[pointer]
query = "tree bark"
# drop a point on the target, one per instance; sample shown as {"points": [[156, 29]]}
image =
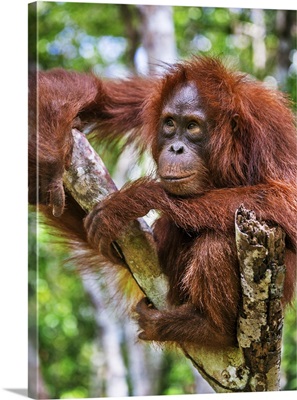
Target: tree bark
{"points": [[261, 256], [254, 365], [89, 182]]}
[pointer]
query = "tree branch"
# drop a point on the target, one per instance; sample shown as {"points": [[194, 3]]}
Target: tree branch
{"points": [[261, 256], [255, 364], [89, 182]]}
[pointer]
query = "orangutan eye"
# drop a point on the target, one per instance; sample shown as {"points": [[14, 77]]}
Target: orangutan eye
{"points": [[169, 126], [193, 126], [169, 122]]}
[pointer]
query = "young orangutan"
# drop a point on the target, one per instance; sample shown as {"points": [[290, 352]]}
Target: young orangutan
{"points": [[219, 140]]}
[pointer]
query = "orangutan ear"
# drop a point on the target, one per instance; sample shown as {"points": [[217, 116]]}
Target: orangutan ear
{"points": [[235, 123]]}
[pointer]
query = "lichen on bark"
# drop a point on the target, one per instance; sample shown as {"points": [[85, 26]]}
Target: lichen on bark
{"points": [[262, 270]]}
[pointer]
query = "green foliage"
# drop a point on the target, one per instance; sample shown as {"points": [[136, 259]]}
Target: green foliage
{"points": [[226, 32], [105, 37], [63, 316], [81, 36], [289, 359], [177, 376]]}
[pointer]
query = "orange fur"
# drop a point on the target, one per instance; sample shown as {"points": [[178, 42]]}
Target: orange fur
{"points": [[250, 156]]}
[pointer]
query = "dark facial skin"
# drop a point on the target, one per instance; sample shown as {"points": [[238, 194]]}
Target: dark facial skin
{"points": [[181, 143]]}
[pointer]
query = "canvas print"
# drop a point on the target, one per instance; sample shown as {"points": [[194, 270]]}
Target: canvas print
{"points": [[162, 200]]}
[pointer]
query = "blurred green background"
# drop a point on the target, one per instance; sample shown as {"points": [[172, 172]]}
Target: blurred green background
{"points": [[85, 349]]}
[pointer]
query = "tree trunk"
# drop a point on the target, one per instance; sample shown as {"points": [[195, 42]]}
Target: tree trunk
{"points": [[113, 368], [258, 39], [158, 35], [285, 25]]}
